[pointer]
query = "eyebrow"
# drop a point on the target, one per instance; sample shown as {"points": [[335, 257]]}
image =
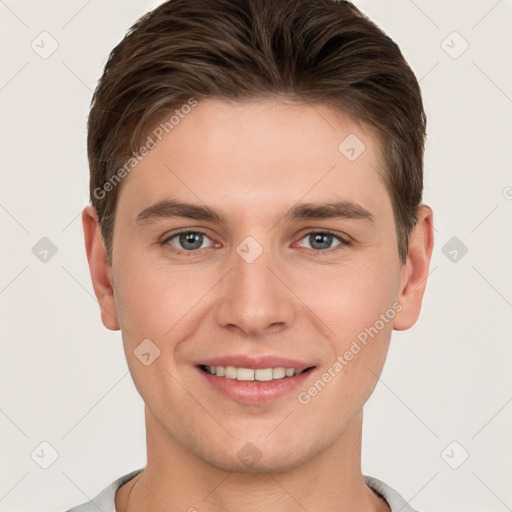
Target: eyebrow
{"points": [[337, 209], [170, 208]]}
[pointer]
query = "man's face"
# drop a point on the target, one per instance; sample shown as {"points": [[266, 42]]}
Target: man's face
{"points": [[265, 286]]}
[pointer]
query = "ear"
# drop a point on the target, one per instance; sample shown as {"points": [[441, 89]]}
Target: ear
{"points": [[101, 272], [415, 270]]}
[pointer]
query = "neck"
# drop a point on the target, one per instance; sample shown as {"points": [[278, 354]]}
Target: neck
{"points": [[176, 479]]}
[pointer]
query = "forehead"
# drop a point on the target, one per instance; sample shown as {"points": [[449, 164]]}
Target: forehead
{"points": [[257, 154]]}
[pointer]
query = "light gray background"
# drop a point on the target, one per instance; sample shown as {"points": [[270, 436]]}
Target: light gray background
{"points": [[64, 379]]}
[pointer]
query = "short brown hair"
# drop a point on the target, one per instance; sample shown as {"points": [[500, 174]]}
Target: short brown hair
{"points": [[311, 51]]}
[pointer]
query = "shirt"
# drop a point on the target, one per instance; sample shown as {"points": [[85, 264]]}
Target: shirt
{"points": [[105, 500]]}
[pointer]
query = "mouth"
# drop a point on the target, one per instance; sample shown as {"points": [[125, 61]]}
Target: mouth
{"points": [[253, 374], [255, 386]]}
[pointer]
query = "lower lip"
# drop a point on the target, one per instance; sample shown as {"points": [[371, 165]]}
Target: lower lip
{"points": [[256, 392]]}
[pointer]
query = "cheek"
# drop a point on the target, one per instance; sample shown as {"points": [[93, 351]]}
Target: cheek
{"points": [[353, 297], [151, 299], [359, 307]]}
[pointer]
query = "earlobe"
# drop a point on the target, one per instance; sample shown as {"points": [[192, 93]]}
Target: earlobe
{"points": [[415, 270], [99, 267]]}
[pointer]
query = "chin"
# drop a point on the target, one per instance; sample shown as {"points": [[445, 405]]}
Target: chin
{"points": [[265, 465], [259, 457]]}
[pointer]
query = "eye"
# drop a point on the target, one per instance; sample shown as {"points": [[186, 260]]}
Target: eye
{"points": [[322, 241], [188, 241], [193, 241]]}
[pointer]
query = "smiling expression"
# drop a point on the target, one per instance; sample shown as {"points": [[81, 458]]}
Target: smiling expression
{"points": [[246, 239]]}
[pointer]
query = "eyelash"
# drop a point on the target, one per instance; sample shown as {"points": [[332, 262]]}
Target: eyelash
{"points": [[343, 242]]}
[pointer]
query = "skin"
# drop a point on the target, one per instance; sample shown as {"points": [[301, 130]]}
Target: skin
{"points": [[253, 161]]}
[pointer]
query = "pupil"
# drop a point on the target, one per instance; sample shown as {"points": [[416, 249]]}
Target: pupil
{"points": [[321, 240], [190, 241]]}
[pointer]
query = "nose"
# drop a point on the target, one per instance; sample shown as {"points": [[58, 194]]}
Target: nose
{"points": [[254, 297]]}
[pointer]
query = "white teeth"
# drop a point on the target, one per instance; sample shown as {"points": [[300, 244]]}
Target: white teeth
{"points": [[249, 374], [278, 373], [230, 372], [244, 374], [263, 374]]}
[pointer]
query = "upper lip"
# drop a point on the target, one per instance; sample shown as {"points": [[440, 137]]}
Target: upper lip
{"points": [[255, 362]]}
